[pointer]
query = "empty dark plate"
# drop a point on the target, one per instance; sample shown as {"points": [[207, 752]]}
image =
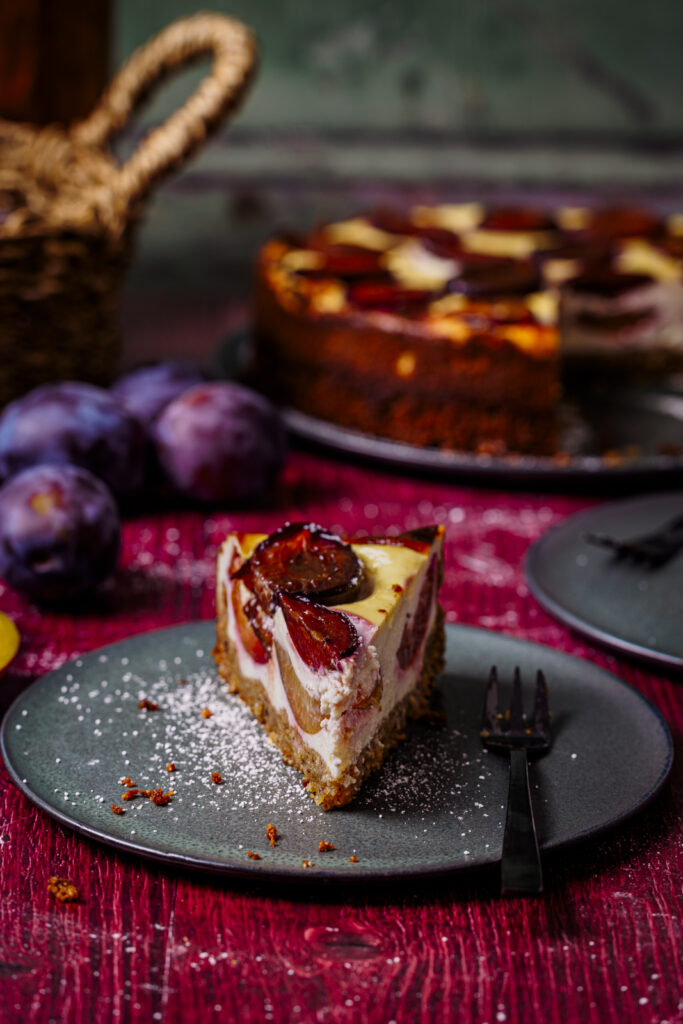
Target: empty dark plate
{"points": [[628, 605], [436, 806]]}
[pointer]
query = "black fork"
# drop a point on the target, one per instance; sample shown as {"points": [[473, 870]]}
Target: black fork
{"points": [[515, 733], [656, 547]]}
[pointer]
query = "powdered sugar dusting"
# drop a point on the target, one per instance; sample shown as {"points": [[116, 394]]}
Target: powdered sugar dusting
{"points": [[131, 710]]}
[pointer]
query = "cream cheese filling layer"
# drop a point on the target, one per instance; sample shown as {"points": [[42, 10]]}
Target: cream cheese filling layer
{"points": [[371, 677], [661, 303]]}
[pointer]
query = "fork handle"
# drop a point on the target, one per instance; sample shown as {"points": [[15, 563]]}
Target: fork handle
{"points": [[521, 861]]}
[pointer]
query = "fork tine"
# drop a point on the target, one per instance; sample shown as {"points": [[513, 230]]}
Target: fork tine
{"points": [[489, 722], [541, 721], [516, 719]]}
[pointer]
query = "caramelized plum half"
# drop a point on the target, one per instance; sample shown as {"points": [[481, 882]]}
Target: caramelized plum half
{"points": [[440, 240], [416, 627], [620, 222], [346, 261], [514, 218], [301, 558], [390, 298], [509, 277], [304, 707], [608, 283], [322, 636], [244, 618]]}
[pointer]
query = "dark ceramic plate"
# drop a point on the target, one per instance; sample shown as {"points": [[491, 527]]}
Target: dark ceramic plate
{"points": [[609, 435], [435, 807], [619, 602], [622, 439]]}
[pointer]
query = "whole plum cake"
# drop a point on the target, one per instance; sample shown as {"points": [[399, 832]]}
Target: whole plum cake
{"points": [[452, 326], [333, 644]]}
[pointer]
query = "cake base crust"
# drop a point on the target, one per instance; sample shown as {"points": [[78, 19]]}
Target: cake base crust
{"points": [[327, 791]]}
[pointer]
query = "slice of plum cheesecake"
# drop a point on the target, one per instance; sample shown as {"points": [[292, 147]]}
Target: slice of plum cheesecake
{"points": [[332, 644]]}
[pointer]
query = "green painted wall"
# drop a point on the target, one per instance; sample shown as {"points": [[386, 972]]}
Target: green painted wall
{"points": [[360, 102], [454, 65]]}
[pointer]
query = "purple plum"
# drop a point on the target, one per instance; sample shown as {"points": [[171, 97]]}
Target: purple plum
{"points": [[74, 423], [146, 390], [220, 442], [59, 532]]}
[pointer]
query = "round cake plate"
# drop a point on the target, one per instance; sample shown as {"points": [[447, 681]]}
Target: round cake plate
{"points": [[435, 807], [659, 415], [630, 607], [617, 435]]}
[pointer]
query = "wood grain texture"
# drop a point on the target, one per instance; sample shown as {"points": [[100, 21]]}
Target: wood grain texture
{"points": [[151, 943]]}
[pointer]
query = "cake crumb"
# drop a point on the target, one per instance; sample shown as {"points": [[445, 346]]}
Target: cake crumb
{"points": [[253, 856], [353, 859], [170, 767], [206, 713], [216, 777], [304, 782], [306, 864], [158, 797], [271, 834], [182, 682], [397, 588], [126, 781], [117, 810], [62, 889], [324, 847], [148, 705]]}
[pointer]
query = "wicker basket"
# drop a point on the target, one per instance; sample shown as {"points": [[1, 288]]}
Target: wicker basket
{"points": [[68, 211]]}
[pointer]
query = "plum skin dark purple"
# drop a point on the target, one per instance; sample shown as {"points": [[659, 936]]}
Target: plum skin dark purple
{"points": [[220, 442], [59, 532], [145, 390], [72, 422]]}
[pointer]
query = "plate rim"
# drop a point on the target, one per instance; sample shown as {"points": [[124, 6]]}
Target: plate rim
{"points": [[588, 467], [262, 872], [534, 553]]}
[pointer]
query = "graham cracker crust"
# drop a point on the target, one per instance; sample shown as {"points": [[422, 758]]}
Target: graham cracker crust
{"points": [[326, 791]]}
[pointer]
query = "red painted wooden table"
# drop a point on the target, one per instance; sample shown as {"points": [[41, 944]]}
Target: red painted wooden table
{"points": [[150, 943]]}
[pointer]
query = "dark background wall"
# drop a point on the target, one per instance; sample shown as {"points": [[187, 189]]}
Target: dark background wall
{"points": [[360, 102], [544, 73]]}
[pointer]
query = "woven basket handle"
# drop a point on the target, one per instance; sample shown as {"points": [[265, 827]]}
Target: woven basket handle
{"points": [[234, 59]]}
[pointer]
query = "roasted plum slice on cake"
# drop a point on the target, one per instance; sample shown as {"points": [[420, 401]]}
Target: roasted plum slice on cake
{"points": [[517, 218], [322, 636], [333, 644], [390, 298], [492, 277], [253, 629], [344, 261], [302, 558], [416, 625]]}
